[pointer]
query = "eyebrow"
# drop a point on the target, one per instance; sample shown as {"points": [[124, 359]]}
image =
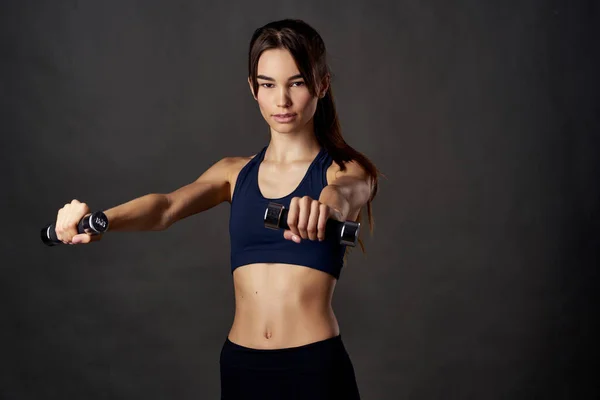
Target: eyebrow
{"points": [[268, 78]]}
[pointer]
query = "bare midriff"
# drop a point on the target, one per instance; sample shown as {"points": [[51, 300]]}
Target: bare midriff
{"points": [[282, 305]]}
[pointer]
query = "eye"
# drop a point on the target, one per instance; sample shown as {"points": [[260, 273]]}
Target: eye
{"points": [[298, 83], [268, 87]]}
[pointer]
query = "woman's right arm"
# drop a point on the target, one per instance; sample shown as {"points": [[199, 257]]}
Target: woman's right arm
{"points": [[154, 211]]}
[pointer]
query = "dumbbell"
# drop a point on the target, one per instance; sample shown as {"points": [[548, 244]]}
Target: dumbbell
{"points": [[276, 216], [94, 224]]}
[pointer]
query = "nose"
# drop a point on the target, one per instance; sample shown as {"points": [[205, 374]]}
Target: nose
{"points": [[284, 100]]}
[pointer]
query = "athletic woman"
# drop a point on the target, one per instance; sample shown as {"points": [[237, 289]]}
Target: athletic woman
{"points": [[285, 342]]}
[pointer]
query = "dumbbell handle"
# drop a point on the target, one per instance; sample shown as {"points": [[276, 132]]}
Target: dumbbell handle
{"points": [[276, 216], [94, 224]]}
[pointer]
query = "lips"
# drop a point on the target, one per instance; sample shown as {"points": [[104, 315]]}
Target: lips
{"points": [[286, 118]]}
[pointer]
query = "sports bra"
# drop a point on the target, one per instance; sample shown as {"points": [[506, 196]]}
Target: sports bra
{"points": [[252, 243]]}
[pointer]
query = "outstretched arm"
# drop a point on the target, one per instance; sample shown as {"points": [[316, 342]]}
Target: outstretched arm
{"points": [[157, 211], [349, 192], [341, 200]]}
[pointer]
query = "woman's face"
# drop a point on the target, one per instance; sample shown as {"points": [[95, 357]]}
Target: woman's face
{"points": [[283, 97]]}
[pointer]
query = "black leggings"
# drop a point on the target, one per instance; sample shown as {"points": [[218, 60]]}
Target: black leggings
{"points": [[317, 371]]}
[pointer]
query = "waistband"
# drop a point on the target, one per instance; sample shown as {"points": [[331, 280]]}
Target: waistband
{"points": [[312, 357], [309, 346]]}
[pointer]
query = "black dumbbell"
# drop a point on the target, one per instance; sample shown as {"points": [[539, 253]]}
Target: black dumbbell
{"points": [[276, 217], [94, 224]]}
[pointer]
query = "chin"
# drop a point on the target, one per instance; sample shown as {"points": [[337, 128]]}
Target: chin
{"points": [[284, 128]]}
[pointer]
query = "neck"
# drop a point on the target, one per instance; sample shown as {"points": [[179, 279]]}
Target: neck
{"points": [[293, 146]]}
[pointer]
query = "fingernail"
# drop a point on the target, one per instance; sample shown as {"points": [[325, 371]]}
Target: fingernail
{"points": [[295, 238]]}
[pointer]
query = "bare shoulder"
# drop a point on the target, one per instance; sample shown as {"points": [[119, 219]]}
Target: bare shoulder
{"points": [[353, 168], [225, 169], [235, 165]]}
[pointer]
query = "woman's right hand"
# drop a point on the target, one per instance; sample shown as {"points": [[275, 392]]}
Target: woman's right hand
{"points": [[66, 224]]}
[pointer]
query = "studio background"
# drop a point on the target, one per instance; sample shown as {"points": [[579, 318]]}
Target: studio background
{"points": [[479, 279]]}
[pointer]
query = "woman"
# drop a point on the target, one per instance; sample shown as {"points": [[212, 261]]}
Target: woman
{"points": [[285, 341]]}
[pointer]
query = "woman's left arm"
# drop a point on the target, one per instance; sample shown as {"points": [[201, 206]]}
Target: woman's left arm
{"points": [[348, 193], [341, 200]]}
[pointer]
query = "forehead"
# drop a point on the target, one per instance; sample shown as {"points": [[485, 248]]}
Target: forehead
{"points": [[277, 63]]}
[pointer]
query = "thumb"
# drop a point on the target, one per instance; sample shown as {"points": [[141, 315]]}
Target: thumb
{"points": [[289, 235], [81, 238], [84, 238]]}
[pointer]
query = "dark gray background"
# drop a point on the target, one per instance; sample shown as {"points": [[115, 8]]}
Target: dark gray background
{"points": [[479, 280]]}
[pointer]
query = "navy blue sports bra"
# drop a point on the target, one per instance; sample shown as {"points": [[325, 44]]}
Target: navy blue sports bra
{"points": [[252, 243]]}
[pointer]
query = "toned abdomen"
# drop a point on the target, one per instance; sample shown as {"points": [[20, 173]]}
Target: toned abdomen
{"points": [[281, 305]]}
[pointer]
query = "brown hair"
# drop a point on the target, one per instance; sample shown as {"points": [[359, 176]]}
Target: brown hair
{"points": [[308, 50]]}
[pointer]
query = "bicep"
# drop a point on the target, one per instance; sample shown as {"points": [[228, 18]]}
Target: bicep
{"points": [[355, 185], [209, 190]]}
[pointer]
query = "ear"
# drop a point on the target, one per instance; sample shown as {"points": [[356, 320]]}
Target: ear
{"points": [[251, 88], [324, 87]]}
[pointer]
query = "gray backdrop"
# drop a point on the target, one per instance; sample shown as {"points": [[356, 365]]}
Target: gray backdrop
{"points": [[478, 282]]}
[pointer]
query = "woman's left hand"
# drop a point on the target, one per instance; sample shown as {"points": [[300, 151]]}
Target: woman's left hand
{"points": [[307, 219]]}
